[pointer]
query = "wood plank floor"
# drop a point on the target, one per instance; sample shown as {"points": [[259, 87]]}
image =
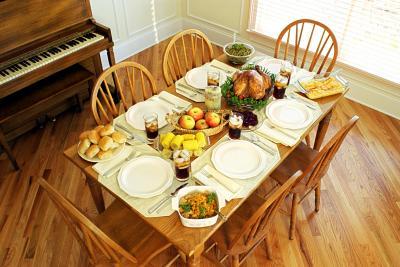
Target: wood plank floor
{"points": [[358, 224]]}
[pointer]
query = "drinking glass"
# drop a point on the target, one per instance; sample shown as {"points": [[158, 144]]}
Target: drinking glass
{"points": [[151, 126], [182, 165], [235, 125], [282, 80], [213, 78]]}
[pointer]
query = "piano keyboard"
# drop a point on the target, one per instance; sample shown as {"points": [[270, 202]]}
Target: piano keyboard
{"points": [[42, 58]]}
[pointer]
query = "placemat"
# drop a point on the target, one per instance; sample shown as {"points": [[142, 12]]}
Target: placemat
{"points": [[142, 205], [248, 185]]}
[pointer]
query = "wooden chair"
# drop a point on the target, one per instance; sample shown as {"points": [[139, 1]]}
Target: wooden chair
{"points": [[136, 244], [314, 165], [186, 50], [4, 145], [249, 225], [125, 76], [326, 50]]}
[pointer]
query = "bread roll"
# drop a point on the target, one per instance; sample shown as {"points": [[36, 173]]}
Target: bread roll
{"points": [[105, 143], [118, 137], [105, 154], [84, 145], [98, 128], [92, 151], [94, 137], [107, 130], [84, 135]]}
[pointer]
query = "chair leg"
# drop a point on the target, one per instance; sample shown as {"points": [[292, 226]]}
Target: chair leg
{"points": [[235, 261], [268, 248], [308, 140], [293, 215], [317, 191]]}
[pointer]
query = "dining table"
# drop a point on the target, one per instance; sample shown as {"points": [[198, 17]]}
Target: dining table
{"points": [[191, 241]]}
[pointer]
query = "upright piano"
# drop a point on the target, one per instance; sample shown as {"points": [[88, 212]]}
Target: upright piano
{"points": [[49, 58]]}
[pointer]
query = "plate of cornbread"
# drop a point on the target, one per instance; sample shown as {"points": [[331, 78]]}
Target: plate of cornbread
{"points": [[101, 143]]}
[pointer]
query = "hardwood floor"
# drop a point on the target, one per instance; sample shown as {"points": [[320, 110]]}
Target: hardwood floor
{"points": [[358, 224]]}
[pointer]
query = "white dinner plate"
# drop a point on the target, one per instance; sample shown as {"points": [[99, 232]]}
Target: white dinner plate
{"points": [[145, 176], [197, 77], [134, 115], [238, 159], [116, 152], [289, 114]]}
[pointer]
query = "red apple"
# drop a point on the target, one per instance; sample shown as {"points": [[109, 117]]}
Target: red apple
{"points": [[196, 113], [201, 124], [212, 119], [186, 122]]}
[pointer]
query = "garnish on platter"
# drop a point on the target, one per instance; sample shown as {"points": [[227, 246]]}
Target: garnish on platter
{"points": [[196, 120], [249, 88]]}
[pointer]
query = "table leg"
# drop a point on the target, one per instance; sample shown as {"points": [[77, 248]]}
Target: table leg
{"points": [[322, 129], [195, 259], [97, 195]]}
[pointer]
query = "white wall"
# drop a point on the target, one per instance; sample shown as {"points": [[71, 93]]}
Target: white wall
{"points": [[138, 24]]}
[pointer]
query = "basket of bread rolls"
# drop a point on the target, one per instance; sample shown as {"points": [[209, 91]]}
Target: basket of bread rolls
{"points": [[101, 143]]}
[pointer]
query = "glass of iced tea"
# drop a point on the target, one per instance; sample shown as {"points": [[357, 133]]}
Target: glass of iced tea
{"points": [[235, 125], [279, 88], [151, 126], [182, 165], [213, 78]]}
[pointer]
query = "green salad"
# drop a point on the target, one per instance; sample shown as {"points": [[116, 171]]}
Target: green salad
{"points": [[238, 50]]}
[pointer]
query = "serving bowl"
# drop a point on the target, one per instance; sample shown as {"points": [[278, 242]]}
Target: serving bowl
{"points": [[196, 223], [238, 59]]}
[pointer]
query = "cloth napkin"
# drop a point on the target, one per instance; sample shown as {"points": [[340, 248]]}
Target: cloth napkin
{"points": [[164, 96], [102, 167], [284, 136], [222, 66], [192, 95], [224, 185]]}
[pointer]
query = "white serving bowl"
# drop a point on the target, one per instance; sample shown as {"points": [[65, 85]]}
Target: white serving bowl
{"points": [[195, 223], [238, 59]]}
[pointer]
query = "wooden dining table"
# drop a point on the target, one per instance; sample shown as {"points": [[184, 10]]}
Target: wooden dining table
{"points": [[191, 241]]}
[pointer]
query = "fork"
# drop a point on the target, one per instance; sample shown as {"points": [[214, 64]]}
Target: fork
{"points": [[188, 93], [176, 106], [269, 125], [258, 142], [114, 169]]}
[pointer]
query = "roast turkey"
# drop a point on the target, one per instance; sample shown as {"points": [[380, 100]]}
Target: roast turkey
{"points": [[251, 83]]}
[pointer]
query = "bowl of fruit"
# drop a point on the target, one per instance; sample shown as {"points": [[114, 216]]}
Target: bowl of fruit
{"points": [[197, 120]]}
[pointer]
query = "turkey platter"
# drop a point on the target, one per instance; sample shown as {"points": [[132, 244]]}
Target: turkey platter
{"points": [[251, 83]]}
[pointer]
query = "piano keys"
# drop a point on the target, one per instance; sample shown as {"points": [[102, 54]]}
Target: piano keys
{"points": [[27, 64]]}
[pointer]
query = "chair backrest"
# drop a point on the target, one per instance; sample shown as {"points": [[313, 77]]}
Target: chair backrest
{"points": [[257, 226], [97, 244], [316, 36], [125, 77], [186, 50], [319, 166]]}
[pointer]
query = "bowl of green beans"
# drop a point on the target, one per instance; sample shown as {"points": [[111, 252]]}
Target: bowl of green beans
{"points": [[238, 53]]}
